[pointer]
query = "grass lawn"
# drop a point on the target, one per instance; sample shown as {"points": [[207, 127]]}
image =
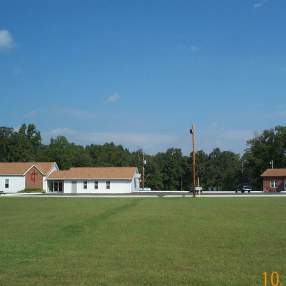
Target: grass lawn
{"points": [[141, 241]]}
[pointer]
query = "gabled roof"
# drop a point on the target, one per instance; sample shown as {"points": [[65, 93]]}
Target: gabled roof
{"points": [[91, 173], [274, 173], [20, 168]]}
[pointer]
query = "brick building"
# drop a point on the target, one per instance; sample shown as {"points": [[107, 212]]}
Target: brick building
{"points": [[274, 180]]}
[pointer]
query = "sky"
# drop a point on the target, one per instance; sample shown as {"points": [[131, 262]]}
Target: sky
{"points": [[139, 73]]}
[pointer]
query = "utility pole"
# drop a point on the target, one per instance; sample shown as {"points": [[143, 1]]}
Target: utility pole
{"points": [[143, 171], [242, 166], [192, 131]]}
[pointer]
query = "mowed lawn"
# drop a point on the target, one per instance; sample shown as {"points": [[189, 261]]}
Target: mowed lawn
{"points": [[141, 241]]}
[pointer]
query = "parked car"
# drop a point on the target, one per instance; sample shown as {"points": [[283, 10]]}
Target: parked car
{"points": [[243, 188]]}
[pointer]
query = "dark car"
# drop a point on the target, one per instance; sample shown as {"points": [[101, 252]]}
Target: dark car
{"points": [[243, 188]]}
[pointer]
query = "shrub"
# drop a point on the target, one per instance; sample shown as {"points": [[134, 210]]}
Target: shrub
{"points": [[32, 191]]}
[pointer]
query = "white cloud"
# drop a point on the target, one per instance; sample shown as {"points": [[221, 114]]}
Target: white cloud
{"points": [[128, 139], [6, 39], [112, 98], [79, 114], [260, 4], [257, 5]]}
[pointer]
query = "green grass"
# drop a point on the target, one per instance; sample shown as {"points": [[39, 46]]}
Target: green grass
{"points": [[141, 241]]}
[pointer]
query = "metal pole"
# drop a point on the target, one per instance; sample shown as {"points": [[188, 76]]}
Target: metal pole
{"points": [[143, 173], [194, 160]]}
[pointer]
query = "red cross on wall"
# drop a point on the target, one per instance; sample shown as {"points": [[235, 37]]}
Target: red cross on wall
{"points": [[33, 177]]}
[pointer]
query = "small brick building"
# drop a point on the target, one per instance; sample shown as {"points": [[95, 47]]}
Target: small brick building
{"points": [[274, 180]]}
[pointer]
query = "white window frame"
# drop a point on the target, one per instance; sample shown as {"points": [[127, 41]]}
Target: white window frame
{"points": [[7, 183], [273, 184], [107, 185], [85, 185], [96, 185], [56, 186]]}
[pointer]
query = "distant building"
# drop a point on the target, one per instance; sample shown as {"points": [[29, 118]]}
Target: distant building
{"points": [[17, 176], [274, 180], [90, 180]]}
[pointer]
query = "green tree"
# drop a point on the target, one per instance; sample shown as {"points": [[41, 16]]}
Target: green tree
{"points": [[153, 174], [261, 150], [222, 170], [171, 164], [201, 165], [108, 154], [25, 144], [6, 154], [66, 154]]}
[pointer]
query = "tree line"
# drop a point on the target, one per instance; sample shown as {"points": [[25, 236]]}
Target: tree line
{"points": [[169, 170]]}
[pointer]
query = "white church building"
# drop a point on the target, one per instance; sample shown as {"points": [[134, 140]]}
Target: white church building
{"points": [[46, 176], [89, 180], [18, 176]]}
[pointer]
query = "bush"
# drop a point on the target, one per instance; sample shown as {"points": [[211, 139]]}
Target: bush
{"points": [[32, 191]]}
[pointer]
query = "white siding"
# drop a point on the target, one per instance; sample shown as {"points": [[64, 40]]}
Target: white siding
{"points": [[116, 186], [45, 183], [135, 186], [16, 184], [67, 187]]}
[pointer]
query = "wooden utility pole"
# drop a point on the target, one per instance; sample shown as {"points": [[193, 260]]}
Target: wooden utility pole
{"points": [[192, 131]]}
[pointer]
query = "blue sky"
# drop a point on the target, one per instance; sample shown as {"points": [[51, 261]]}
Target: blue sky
{"points": [[140, 72]]}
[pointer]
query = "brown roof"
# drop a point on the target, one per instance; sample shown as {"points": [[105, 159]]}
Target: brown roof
{"points": [[20, 168], [91, 173], [274, 173]]}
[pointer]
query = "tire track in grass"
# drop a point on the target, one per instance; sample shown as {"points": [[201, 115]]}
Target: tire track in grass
{"points": [[63, 233], [76, 229], [64, 238]]}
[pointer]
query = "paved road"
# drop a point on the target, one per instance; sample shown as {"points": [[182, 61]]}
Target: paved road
{"points": [[154, 194]]}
